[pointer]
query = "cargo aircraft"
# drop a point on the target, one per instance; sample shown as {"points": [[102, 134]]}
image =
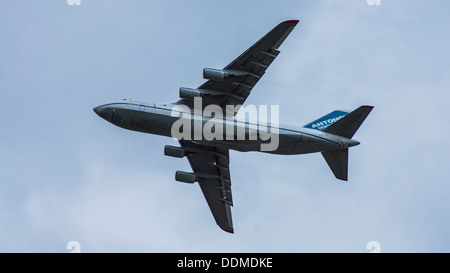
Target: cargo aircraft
{"points": [[330, 135]]}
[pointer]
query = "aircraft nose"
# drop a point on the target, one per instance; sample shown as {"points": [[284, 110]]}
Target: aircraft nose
{"points": [[101, 111]]}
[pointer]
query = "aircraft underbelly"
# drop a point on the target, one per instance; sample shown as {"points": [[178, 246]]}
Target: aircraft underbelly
{"points": [[147, 122], [285, 142]]}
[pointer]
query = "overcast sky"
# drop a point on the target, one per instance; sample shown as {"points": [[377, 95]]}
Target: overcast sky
{"points": [[67, 175]]}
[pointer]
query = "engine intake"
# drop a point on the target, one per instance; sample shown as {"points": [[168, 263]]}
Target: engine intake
{"points": [[185, 177]]}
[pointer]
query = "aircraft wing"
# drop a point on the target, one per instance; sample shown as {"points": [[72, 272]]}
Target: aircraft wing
{"points": [[211, 166], [245, 71]]}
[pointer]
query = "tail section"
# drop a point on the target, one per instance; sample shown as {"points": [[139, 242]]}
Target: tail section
{"points": [[343, 124], [348, 125], [338, 162], [327, 120]]}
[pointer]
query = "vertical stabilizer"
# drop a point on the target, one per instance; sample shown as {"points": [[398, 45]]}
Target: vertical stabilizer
{"points": [[338, 162], [345, 126], [325, 121]]}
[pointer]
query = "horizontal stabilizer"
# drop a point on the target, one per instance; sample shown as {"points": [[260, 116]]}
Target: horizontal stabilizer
{"points": [[338, 162], [348, 125]]}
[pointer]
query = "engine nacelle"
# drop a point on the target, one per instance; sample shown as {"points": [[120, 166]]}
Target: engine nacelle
{"points": [[214, 74], [174, 151], [185, 177], [189, 93]]}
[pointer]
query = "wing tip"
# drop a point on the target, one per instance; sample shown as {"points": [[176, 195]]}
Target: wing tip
{"points": [[368, 106], [228, 229], [294, 22]]}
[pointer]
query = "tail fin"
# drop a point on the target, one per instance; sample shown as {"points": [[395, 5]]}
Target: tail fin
{"points": [[327, 120], [346, 127]]}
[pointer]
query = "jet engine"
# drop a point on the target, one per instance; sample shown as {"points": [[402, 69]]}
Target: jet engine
{"points": [[174, 151], [189, 93], [214, 74], [185, 177]]}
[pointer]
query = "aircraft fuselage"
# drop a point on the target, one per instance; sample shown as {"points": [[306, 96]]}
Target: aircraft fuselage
{"points": [[159, 120]]}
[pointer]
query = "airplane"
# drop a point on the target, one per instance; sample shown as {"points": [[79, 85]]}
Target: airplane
{"points": [[331, 135]]}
